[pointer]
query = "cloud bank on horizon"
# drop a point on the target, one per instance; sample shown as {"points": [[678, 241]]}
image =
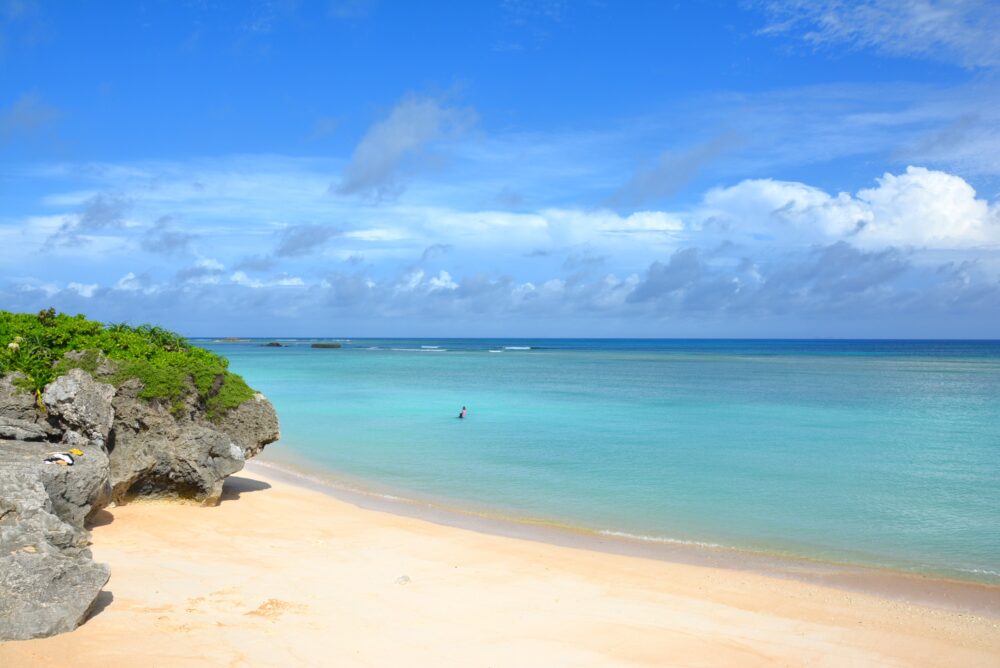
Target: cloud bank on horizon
{"points": [[552, 169]]}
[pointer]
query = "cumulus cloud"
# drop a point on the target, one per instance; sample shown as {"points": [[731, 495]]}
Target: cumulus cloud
{"points": [[443, 281], [833, 279], [836, 282], [911, 243], [919, 208], [85, 290], [240, 278], [928, 208], [412, 125], [965, 32], [131, 282]]}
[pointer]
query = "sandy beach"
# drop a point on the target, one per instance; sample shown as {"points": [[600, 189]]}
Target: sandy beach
{"points": [[283, 575]]}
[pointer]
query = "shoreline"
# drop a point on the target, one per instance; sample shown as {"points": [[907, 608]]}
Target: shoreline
{"points": [[959, 595], [284, 575]]}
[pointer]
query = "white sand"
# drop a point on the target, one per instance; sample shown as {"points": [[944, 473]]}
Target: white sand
{"points": [[286, 576]]}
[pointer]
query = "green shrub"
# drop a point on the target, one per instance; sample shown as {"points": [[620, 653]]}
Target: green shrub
{"points": [[165, 363]]}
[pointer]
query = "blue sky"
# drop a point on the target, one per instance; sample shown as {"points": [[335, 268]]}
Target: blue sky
{"points": [[353, 168]]}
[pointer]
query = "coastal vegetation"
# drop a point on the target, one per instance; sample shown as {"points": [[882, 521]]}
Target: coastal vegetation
{"points": [[170, 369]]}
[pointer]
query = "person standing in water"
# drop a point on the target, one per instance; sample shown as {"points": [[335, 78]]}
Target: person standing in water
{"points": [[461, 415]]}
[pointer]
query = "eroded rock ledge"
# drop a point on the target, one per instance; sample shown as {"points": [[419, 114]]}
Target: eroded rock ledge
{"points": [[131, 448]]}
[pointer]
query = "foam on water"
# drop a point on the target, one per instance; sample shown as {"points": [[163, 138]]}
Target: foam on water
{"points": [[658, 539]]}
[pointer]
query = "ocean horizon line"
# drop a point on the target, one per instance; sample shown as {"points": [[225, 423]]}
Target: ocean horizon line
{"points": [[583, 338]]}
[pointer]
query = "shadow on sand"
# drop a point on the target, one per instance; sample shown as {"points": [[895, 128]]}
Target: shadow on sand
{"points": [[101, 603], [101, 518], [236, 486]]}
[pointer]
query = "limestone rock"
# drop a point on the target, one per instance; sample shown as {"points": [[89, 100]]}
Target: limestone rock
{"points": [[75, 492], [24, 430], [32, 606], [48, 579], [17, 403], [252, 425], [82, 406], [159, 453]]}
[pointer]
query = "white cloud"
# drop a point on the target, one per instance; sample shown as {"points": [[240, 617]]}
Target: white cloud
{"points": [[930, 209], [505, 229], [520, 258], [920, 208], [442, 281], [48, 288], [644, 221], [83, 289], [377, 234], [241, 278], [410, 281], [128, 282], [210, 263]]}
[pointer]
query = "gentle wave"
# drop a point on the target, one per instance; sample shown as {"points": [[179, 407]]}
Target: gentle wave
{"points": [[657, 539], [980, 571], [517, 347], [420, 350]]}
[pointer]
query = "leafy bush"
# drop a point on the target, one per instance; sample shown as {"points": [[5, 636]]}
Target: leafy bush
{"points": [[165, 363]]}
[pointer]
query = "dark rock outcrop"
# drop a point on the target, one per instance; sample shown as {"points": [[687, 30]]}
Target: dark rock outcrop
{"points": [[164, 452], [252, 425], [49, 581], [131, 447]]}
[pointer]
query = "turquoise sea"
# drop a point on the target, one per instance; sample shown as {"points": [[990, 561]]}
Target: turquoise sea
{"points": [[878, 453]]}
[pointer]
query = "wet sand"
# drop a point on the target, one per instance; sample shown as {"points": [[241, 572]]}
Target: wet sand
{"points": [[939, 592], [283, 575]]}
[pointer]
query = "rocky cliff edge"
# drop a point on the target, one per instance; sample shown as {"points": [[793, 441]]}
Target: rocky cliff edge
{"points": [[130, 447]]}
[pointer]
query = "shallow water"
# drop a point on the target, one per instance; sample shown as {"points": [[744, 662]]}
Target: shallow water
{"points": [[875, 453]]}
